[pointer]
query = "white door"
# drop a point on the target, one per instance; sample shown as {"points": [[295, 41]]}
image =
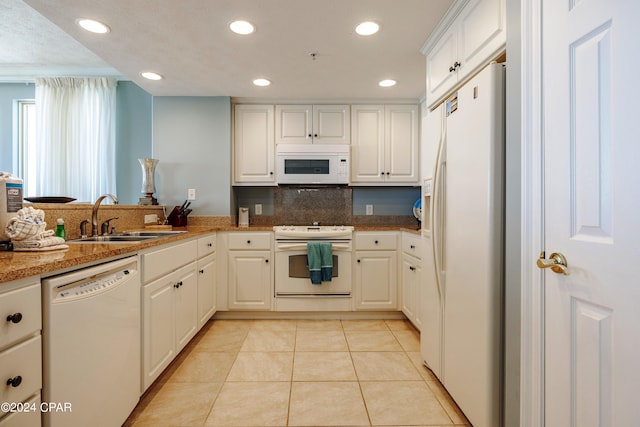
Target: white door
{"points": [[591, 201]]}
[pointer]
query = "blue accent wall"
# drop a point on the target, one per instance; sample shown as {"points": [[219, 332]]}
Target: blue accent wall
{"points": [[134, 116], [192, 141]]}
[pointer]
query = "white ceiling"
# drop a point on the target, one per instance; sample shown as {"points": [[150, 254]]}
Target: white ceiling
{"points": [[189, 43]]}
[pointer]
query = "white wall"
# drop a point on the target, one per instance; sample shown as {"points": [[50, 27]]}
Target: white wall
{"points": [[192, 140]]}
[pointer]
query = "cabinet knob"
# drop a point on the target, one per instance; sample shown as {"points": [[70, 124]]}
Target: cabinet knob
{"points": [[248, 242], [177, 285], [412, 246], [202, 271], [270, 173], [209, 244], [15, 381], [14, 318], [309, 136], [376, 242], [358, 261], [412, 268], [315, 135], [266, 260], [381, 173], [454, 67], [387, 173]]}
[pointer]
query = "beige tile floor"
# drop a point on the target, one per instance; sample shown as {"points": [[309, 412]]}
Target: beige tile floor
{"points": [[299, 373]]}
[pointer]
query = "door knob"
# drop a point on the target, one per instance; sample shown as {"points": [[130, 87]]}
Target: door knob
{"points": [[556, 262]]}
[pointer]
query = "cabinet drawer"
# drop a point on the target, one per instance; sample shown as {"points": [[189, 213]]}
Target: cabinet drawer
{"points": [[387, 240], [249, 241], [24, 305], [23, 360], [24, 419], [412, 245], [162, 261], [206, 245]]}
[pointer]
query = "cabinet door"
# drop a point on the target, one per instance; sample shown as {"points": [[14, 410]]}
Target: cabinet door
{"points": [[294, 124], [206, 289], [482, 34], [254, 146], [158, 327], [439, 61], [186, 305], [250, 280], [331, 124], [376, 280], [411, 272], [401, 148], [367, 143]]}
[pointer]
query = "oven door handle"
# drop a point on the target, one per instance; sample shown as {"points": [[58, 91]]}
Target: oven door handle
{"points": [[303, 246]]}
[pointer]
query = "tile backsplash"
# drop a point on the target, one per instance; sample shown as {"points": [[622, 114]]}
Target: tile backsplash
{"points": [[331, 205], [325, 205]]}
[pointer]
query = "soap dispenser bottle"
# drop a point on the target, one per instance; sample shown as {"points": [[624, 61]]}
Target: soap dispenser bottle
{"points": [[60, 232]]}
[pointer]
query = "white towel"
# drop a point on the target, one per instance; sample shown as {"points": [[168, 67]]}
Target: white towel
{"points": [[48, 248], [27, 224], [38, 243]]}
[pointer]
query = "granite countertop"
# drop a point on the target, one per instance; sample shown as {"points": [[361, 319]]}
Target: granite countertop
{"points": [[18, 265]]}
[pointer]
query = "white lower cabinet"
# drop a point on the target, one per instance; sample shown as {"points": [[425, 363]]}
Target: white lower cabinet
{"points": [[21, 352], [249, 270], [250, 280], [376, 276], [206, 289], [207, 278], [169, 305], [170, 319], [411, 278], [30, 418]]}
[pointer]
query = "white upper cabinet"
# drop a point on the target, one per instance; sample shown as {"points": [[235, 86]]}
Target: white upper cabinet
{"points": [[254, 146], [312, 124], [384, 144], [476, 34]]}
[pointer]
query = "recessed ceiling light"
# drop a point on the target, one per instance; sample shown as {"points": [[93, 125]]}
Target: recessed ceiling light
{"points": [[242, 27], [367, 28], [151, 75], [387, 83], [261, 82], [94, 26]]}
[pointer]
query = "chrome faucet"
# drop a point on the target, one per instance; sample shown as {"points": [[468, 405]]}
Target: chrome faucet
{"points": [[94, 213]]}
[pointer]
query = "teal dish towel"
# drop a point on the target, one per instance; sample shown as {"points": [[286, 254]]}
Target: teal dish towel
{"points": [[320, 259]]}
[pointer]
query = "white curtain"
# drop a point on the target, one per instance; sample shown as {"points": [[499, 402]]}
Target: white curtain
{"points": [[75, 137]]}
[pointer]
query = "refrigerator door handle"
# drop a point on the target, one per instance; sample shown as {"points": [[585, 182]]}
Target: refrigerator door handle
{"points": [[438, 209]]}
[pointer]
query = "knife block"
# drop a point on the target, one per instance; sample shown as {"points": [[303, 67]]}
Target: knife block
{"points": [[176, 219]]}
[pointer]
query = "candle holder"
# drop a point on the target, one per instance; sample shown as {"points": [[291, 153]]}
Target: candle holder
{"points": [[148, 181]]}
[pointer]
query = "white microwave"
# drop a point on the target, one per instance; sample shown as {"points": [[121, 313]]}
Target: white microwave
{"points": [[312, 164]]}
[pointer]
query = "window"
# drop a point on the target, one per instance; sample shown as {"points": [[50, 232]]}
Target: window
{"points": [[65, 138], [26, 145]]}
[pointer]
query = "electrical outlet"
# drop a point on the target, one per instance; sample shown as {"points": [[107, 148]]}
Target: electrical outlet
{"points": [[151, 219], [191, 194], [258, 209], [369, 209]]}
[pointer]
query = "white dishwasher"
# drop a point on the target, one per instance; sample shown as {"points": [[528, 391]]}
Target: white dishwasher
{"points": [[91, 345]]}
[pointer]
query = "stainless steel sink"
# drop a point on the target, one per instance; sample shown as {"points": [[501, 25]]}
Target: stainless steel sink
{"points": [[128, 236], [112, 239], [152, 233]]}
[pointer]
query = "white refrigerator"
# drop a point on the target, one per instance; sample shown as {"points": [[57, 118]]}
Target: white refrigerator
{"points": [[462, 302]]}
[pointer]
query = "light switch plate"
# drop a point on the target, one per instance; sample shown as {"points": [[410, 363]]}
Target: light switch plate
{"points": [[369, 210], [258, 209], [191, 194]]}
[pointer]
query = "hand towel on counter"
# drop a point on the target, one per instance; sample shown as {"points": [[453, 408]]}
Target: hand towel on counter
{"points": [[320, 259], [44, 241]]}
